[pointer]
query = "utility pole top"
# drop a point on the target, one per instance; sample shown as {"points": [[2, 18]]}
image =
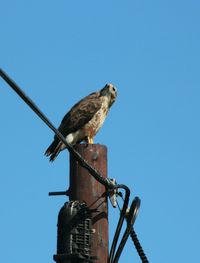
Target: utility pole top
{"points": [[84, 187]]}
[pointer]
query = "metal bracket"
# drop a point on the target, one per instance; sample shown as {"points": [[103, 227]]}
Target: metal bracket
{"points": [[59, 193], [113, 193]]}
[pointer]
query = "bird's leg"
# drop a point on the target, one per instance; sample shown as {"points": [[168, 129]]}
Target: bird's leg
{"points": [[90, 140]]}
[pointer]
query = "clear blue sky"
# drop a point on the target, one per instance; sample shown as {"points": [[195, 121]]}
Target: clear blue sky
{"points": [[60, 51]]}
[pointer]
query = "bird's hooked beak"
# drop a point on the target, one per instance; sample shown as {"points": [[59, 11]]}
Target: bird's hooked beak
{"points": [[113, 97]]}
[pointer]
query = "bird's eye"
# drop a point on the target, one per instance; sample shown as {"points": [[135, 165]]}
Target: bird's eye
{"points": [[113, 88]]}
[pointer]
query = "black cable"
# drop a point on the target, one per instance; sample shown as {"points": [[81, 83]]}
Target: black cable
{"points": [[130, 218], [138, 246], [121, 220], [136, 242]]}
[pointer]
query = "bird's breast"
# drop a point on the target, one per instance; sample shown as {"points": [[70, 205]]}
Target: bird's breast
{"points": [[93, 126]]}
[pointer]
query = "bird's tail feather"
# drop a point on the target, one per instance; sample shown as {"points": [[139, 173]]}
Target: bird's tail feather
{"points": [[53, 150], [54, 154]]}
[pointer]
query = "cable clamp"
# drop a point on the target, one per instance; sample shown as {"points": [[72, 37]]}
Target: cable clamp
{"points": [[113, 193]]}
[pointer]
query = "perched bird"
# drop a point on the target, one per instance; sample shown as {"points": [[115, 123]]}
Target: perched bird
{"points": [[84, 120]]}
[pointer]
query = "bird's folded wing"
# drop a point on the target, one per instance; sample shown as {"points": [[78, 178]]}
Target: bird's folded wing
{"points": [[80, 114]]}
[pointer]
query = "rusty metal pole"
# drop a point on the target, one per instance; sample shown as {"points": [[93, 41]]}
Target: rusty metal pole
{"points": [[84, 187]]}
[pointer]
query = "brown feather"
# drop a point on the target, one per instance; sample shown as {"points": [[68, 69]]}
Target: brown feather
{"points": [[80, 114]]}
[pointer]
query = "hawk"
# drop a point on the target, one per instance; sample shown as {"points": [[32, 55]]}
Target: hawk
{"points": [[84, 120]]}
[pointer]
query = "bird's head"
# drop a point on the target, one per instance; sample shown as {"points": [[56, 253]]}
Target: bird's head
{"points": [[109, 91]]}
